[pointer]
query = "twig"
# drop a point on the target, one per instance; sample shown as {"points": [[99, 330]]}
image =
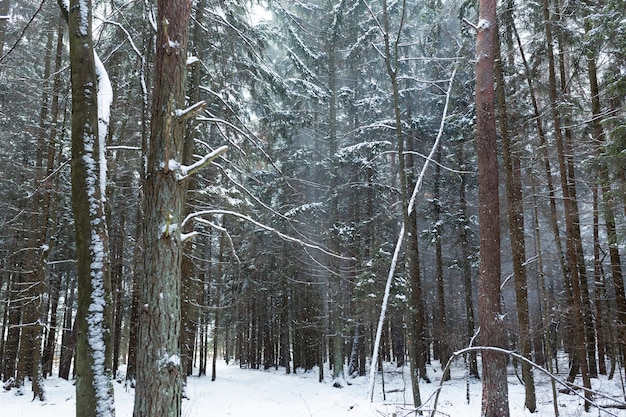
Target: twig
{"points": [[23, 30]]}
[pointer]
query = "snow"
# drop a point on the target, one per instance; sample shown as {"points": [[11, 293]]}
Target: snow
{"points": [[483, 24], [83, 10], [246, 393], [105, 100]]}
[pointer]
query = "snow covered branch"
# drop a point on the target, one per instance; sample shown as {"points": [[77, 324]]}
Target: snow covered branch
{"points": [[191, 111], [187, 170]]}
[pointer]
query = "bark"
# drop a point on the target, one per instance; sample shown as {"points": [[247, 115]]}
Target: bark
{"points": [[543, 146], [159, 373], [495, 401], [336, 289], [545, 305], [48, 354], [218, 303], [588, 320], [148, 41], [598, 277], [12, 341], [68, 337], [417, 354], [190, 288]]}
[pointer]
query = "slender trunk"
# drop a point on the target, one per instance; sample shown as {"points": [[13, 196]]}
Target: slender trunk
{"points": [[572, 257], [549, 346], [599, 139], [466, 267], [218, 296], [68, 337], [513, 181], [441, 335], [598, 277], [189, 285], [588, 320]]}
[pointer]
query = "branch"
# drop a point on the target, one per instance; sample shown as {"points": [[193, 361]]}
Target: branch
{"points": [[187, 170], [264, 227], [517, 356], [396, 253], [23, 30], [190, 112]]}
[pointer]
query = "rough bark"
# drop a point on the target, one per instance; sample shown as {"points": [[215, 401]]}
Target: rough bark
{"points": [[159, 374], [495, 401]]}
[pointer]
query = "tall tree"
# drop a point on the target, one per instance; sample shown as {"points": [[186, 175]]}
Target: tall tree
{"points": [[495, 400]]}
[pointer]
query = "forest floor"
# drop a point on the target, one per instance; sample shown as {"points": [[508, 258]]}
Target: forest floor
{"points": [[245, 393]]}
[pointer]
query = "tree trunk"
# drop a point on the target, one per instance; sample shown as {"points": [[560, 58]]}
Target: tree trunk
{"points": [[159, 374], [466, 266], [441, 335], [68, 338], [94, 392], [577, 308], [513, 182], [608, 211], [495, 401]]}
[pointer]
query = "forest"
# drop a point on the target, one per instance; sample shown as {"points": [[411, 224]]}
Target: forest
{"points": [[304, 185]]}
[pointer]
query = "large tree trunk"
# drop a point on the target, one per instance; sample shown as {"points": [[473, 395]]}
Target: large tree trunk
{"points": [[159, 374], [495, 400]]}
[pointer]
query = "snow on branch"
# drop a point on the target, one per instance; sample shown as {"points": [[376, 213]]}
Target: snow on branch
{"points": [[190, 112], [187, 170]]}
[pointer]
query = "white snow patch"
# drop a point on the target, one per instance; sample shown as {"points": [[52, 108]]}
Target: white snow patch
{"points": [[83, 13], [483, 24]]}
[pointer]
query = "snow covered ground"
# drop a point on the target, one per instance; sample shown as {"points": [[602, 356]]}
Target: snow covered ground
{"points": [[245, 393]]}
